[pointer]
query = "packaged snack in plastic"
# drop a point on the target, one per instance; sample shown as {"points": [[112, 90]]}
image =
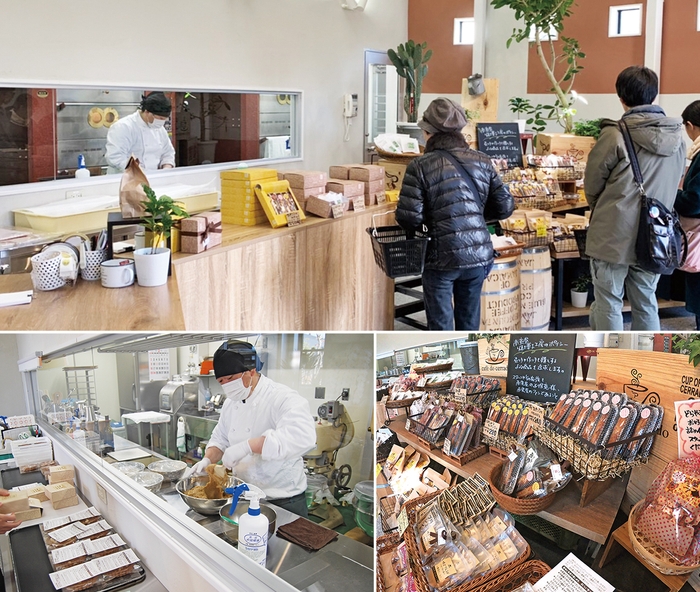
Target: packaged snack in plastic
{"points": [[433, 531], [451, 566], [511, 470], [399, 560], [526, 587], [406, 584]]}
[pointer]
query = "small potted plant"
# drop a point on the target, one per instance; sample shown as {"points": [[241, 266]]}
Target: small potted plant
{"points": [[520, 107], [160, 215], [579, 291]]}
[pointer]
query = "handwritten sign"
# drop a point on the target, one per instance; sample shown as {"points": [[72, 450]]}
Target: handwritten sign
{"points": [[358, 203], [403, 521], [540, 365], [293, 219], [460, 396], [502, 141], [688, 422], [381, 198], [535, 414], [490, 430], [337, 210], [446, 447]]}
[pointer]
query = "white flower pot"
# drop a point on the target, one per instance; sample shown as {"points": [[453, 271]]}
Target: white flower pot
{"points": [[521, 124], [152, 267], [579, 299]]}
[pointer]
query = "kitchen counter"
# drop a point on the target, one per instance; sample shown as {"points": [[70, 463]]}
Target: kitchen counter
{"points": [[320, 275]]}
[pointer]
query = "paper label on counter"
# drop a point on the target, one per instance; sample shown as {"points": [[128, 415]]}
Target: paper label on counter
{"points": [[403, 521], [80, 573], [68, 553], [408, 425], [293, 219], [56, 523], [446, 447], [358, 203], [572, 575], [91, 512], [67, 532], [94, 529], [103, 544], [381, 198], [337, 210], [556, 472], [536, 414], [490, 429]]}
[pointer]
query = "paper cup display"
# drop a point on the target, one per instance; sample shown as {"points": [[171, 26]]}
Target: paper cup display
{"points": [[45, 271], [93, 260], [117, 273]]}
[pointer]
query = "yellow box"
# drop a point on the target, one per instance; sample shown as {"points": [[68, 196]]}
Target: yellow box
{"points": [[254, 174], [59, 491], [392, 195], [66, 502], [245, 220], [239, 200], [244, 208], [238, 186], [278, 201]]}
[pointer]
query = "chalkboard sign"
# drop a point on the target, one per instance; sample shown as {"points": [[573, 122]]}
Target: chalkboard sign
{"points": [[501, 140], [539, 366]]}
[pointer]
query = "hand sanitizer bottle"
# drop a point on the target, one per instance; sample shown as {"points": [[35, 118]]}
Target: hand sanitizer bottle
{"points": [[82, 171], [253, 530]]}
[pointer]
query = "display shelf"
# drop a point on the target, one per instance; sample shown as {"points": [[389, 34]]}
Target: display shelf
{"points": [[594, 521], [572, 311]]}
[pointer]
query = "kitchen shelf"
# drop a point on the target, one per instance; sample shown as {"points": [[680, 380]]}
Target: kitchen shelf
{"points": [[572, 311]]}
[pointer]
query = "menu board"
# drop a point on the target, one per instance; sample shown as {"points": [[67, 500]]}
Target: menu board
{"points": [[501, 140], [540, 365]]}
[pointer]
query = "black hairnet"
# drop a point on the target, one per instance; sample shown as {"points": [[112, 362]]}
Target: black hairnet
{"points": [[156, 103]]}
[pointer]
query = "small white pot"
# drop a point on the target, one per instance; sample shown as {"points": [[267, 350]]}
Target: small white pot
{"points": [[152, 267], [521, 125], [579, 299]]}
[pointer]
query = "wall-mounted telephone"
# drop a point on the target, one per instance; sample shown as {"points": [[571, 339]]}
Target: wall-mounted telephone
{"points": [[350, 105]]}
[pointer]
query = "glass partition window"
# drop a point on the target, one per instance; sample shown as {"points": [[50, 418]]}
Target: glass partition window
{"points": [[44, 131]]}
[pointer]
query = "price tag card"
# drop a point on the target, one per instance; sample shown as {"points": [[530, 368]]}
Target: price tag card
{"points": [[556, 472], [293, 219], [358, 203], [403, 521], [381, 198], [460, 396], [408, 425], [536, 414], [512, 456], [541, 228], [377, 470], [422, 381], [337, 210], [490, 429], [446, 447]]}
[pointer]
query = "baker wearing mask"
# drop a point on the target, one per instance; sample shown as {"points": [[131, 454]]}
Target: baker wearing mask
{"points": [[264, 429], [143, 135]]}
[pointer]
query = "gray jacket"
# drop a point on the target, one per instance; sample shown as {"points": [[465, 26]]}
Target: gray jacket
{"points": [[609, 183]]}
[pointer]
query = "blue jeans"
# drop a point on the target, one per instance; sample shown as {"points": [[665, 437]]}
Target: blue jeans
{"points": [[611, 281], [464, 285]]}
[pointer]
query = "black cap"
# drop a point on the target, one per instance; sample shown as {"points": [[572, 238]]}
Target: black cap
{"points": [[234, 357], [156, 103]]}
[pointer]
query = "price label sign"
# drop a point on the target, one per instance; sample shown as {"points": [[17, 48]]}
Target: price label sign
{"points": [[460, 396], [403, 521], [381, 198], [408, 425], [541, 228], [446, 447], [293, 219], [377, 470], [358, 203], [337, 210], [490, 429], [536, 414], [556, 472]]}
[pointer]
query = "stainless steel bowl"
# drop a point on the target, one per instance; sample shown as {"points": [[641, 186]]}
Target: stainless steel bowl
{"points": [[151, 481], [229, 524], [129, 468], [171, 470], [209, 507]]}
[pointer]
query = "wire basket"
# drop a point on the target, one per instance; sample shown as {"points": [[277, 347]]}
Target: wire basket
{"points": [[400, 158], [580, 236], [396, 252], [530, 571], [514, 505], [565, 244], [529, 238], [652, 554], [429, 436]]}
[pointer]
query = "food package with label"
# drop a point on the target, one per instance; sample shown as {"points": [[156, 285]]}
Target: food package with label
{"points": [[346, 187], [305, 179], [279, 203], [60, 473], [366, 172], [326, 205], [201, 232]]}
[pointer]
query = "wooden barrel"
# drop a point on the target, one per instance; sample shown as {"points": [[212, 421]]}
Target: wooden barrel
{"points": [[500, 297], [535, 288]]}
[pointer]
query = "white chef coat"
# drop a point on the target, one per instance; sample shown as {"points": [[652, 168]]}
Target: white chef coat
{"points": [[281, 415], [132, 135]]}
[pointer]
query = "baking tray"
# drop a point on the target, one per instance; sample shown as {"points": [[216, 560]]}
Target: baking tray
{"points": [[128, 454]]}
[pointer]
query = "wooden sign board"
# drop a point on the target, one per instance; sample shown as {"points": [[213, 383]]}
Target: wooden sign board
{"points": [[486, 104], [540, 365], [493, 355], [650, 377], [502, 141]]}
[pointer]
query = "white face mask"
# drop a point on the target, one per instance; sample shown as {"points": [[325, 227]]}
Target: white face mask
{"points": [[235, 390], [157, 123]]}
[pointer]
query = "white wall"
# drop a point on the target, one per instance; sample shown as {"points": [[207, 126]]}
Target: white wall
{"points": [[12, 401], [313, 46]]}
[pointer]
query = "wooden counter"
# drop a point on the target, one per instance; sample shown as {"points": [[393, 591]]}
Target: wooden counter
{"points": [[319, 276], [594, 521], [89, 307]]}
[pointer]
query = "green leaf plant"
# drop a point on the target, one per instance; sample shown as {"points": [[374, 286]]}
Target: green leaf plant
{"points": [[160, 215], [411, 62]]}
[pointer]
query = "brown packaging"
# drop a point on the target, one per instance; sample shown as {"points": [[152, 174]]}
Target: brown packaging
{"points": [[61, 473], [201, 232], [59, 491], [65, 503], [17, 501], [37, 493], [321, 207], [131, 192], [305, 179], [347, 188], [31, 514], [366, 172], [340, 171]]}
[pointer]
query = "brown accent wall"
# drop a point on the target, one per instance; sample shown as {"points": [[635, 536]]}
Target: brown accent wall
{"points": [[680, 48], [433, 21], [605, 57]]}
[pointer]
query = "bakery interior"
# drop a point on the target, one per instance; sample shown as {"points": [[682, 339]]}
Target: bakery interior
{"points": [[589, 522], [108, 406]]}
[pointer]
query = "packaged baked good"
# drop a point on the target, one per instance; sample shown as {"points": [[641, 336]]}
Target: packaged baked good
{"points": [[399, 560], [510, 471], [452, 566], [433, 531]]}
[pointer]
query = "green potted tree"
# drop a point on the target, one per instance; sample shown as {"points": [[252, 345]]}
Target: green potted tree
{"points": [[411, 63], [579, 291], [160, 215], [520, 107]]}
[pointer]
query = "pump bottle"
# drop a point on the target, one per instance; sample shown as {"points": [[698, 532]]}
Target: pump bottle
{"points": [[82, 171], [252, 526]]}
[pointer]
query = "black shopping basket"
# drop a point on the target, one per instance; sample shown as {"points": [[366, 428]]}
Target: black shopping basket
{"points": [[580, 234], [398, 253]]}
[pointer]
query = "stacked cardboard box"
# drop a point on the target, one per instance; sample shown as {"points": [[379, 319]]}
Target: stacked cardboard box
{"points": [[349, 189], [371, 175], [306, 184], [62, 495], [61, 473], [239, 204]]}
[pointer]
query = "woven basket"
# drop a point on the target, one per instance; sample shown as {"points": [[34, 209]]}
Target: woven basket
{"points": [[403, 158], [414, 554], [530, 571], [385, 544], [402, 403], [513, 505], [653, 555], [446, 366]]}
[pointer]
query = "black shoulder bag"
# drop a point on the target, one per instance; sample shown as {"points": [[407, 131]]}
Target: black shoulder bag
{"points": [[463, 172], [661, 243]]}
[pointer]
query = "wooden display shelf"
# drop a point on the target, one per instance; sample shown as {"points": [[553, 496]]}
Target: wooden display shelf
{"points": [[573, 311], [594, 521]]}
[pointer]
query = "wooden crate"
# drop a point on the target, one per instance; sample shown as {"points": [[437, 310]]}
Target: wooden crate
{"points": [[578, 147]]}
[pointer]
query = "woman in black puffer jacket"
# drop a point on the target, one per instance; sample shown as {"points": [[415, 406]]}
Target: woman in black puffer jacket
{"points": [[453, 207]]}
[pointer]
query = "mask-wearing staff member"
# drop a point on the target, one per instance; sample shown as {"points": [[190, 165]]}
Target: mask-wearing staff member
{"points": [[143, 135], [264, 429]]}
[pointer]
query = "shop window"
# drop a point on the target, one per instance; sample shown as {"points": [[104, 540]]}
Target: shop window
{"points": [[552, 35], [698, 27], [464, 31], [625, 21]]}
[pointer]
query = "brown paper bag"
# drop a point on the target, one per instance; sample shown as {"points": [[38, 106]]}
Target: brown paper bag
{"points": [[131, 192]]}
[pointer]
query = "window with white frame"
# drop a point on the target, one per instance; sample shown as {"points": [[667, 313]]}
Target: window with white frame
{"points": [[464, 31], [625, 21], [698, 15], [553, 34]]}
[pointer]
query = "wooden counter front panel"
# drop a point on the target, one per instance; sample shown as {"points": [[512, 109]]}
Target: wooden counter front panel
{"points": [[257, 287]]}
